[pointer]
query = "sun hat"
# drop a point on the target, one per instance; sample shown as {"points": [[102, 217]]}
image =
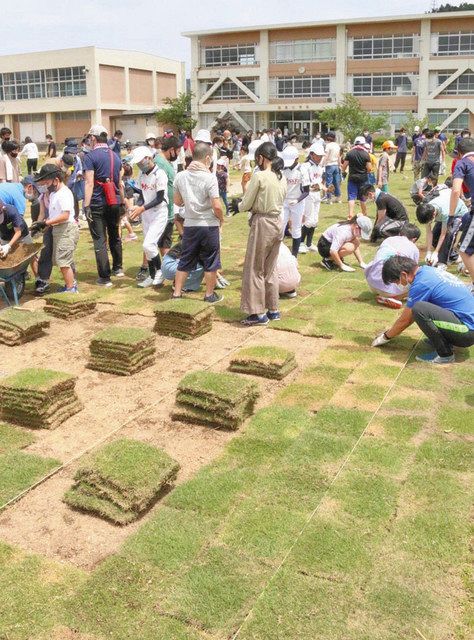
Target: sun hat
{"points": [[365, 225], [150, 136], [48, 171], [359, 140], [289, 155], [203, 135], [317, 148], [253, 146], [97, 130], [388, 144], [140, 153]]}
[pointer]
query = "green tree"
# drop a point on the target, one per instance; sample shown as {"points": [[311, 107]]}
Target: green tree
{"points": [[464, 6], [411, 121], [351, 120], [177, 112]]}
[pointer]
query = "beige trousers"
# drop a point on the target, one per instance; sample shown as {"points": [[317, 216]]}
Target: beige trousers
{"points": [[260, 276]]}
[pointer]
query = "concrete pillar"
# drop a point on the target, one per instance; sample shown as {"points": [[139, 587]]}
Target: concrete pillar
{"points": [[50, 124], [127, 87], [424, 71], [341, 61], [195, 64]]}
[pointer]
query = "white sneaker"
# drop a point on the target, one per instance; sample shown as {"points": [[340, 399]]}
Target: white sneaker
{"points": [[148, 282], [441, 266], [363, 265], [313, 248], [303, 249], [346, 267], [159, 279]]}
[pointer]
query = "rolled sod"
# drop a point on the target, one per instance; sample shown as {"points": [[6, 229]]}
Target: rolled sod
{"points": [[18, 326], [222, 400], [39, 398], [185, 319], [121, 480], [70, 305], [264, 361], [122, 350]]}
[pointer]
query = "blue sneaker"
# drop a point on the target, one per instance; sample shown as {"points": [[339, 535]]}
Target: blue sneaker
{"points": [[72, 289], [255, 319], [273, 315], [434, 358]]}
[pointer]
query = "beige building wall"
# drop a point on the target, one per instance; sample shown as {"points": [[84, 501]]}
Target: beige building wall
{"points": [[71, 128], [166, 86], [141, 87], [112, 83]]}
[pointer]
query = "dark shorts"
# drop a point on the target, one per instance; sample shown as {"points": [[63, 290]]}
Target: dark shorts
{"points": [[200, 245], [166, 239], [324, 247], [466, 244], [353, 190]]}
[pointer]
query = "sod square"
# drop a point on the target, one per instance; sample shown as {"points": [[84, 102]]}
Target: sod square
{"points": [[19, 470], [185, 319], [456, 419], [275, 423], [70, 305], [14, 438], [443, 453], [122, 350], [377, 456], [265, 361], [18, 325], [121, 480], [400, 428], [342, 422], [371, 498]]}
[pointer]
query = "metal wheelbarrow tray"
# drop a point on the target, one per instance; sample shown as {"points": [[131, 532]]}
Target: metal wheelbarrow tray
{"points": [[13, 269]]}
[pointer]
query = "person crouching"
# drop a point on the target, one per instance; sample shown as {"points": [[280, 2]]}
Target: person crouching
{"points": [[343, 239]]}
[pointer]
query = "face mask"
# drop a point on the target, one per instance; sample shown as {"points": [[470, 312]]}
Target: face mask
{"points": [[51, 188], [143, 165], [30, 197], [14, 154]]}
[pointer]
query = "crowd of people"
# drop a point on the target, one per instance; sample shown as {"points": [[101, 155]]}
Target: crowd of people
{"points": [[181, 184]]}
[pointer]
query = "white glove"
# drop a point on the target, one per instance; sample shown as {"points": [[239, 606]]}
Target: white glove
{"points": [[428, 257], [363, 265], [380, 340], [346, 267], [434, 259], [5, 250]]}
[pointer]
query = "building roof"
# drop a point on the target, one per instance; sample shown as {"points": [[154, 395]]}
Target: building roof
{"points": [[325, 23]]}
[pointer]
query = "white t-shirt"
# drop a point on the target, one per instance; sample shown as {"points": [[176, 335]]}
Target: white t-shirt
{"points": [[197, 188], [287, 268], [61, 201], [244, 164], [30, 150], [295, 179], [150, 184], [394, 246], [332, 155], [338, 234]]}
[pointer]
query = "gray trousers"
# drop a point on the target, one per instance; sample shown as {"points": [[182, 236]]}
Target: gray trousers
{"points": [[442, 327]]}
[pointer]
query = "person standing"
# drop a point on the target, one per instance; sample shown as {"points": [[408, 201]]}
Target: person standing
{"points": [[30, 150], [197, 190], [401, 142], [223, 182], [314, 171], [332, 165], [165, 159], [358, 162], [383, 168], [9, 162], [430, 160], [264, 199], [115, 143], [103, 192], [417, 153], [297, 191], [51, 148], [464, 174]]}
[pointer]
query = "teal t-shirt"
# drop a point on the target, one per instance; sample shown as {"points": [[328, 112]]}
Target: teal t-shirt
{"points": [[170, 174]]}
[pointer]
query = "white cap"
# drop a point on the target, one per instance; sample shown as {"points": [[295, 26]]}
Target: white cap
{"points": [[417, 128], [203, 135], [359, 140], [367, 146], [97, 129], [253, 146], [222, 161], [289, 155], [365, 224], [140, 153], [317, 148], [150, 136]]}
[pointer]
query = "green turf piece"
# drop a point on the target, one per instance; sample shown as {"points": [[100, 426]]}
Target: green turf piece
{"points": [[128, 336], [401, 428], [375, 455], [197, 415], [228, 388], [370, 498], [342, 422], [19, 470], [41, 380], [70, 299], [14, 438], [78, 497], [457, 419], [185, 307], [22, 319], [295, 325], [446, 454], [265, 354]]}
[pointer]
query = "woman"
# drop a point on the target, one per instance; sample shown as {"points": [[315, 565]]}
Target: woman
{"points": [[343, 239], [30, 150], [9, 161], [264, 198]]}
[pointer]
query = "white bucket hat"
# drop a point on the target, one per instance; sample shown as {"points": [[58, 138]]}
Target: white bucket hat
{"points": [[203, 135], [365, 225], [140, 153]]}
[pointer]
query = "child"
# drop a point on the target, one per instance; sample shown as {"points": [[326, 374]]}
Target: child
{"points": [[298, 189], [314, 172], [153, 183], [440, 239], [245, 166], [420, 191], [129, 189], [383, 168], [343, 239], [223, 183], [65, 229]]}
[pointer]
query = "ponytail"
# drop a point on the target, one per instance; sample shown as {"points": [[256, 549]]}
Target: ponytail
{"points": [[352, 220], [269, 151], [277, 166]]}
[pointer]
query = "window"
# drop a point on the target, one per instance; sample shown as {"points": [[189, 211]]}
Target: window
{"points": [[227, 56], [462, 85], [452, 44], [47, 83], [436, 118], [228, 90], [301, 87], [303, 50], [75, 115], [384, 47], [384, 84]]}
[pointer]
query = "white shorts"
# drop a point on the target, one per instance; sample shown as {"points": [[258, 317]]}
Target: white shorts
{"points": [[294, 214]]}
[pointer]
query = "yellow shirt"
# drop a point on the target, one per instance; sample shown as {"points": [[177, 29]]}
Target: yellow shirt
{"points": [[265, 193]]}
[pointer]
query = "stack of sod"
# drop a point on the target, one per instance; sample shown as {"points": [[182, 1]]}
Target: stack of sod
{"points": [[18, 325], [218, 399], [185, 319], [38, 398], [122, 350], [121, 480], [265, 361], [70, 305]]}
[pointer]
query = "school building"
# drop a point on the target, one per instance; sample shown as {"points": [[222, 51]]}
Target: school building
{"points": [[284, 75], [64, 92]]}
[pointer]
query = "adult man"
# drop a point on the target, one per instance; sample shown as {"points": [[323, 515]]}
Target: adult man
{"points": [[439, 303], [103, 171], [13, 229], [13, 193], [358, 161], [115, 142], [464, 173], [432, 154], [51, 148], [417, 152], [169, 267], [164, 158], [391, 213], [401, 142], [197, 190], [332, 165], [391, 295], [204, 136]]}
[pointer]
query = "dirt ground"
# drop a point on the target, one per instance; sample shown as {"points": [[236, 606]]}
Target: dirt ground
{"points": [[116, 406]]}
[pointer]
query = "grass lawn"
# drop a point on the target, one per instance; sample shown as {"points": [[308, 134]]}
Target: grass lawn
{"points": [[339, 512]]}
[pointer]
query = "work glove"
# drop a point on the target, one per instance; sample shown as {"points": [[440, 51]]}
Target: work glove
{"points": [[37, 227], [88, 214], [4, 250], [428, 257], [380, 340], [346, 267], [434, 259], [234, 205]]}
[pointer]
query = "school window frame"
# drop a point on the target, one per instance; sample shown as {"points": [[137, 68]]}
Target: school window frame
{"points": [[300, 87], [43, 83], [463, 85], [378, 47], [383, 84], [236, 55], [229, 90], [314, 50], [453, 43]]}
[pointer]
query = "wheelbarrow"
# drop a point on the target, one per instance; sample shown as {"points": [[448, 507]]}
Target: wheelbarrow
{"points": [[13, 271]]}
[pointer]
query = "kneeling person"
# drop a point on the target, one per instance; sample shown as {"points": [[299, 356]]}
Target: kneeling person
{"points": [[13, 229], [391, 213], [440, 304], [343, 239]]}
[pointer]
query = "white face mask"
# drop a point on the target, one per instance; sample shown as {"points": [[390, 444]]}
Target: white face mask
{"points": [[42, 188]]}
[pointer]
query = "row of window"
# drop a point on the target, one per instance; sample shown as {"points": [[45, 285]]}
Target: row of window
{"points": [[44, 83], [384, 84], [363, 48], [302, 87], [228, 90]]}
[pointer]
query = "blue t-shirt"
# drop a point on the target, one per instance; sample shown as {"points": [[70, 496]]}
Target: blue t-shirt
{"points": [[445, 290], [98, 160], [12, 193], [419, 145], [11, 220], [401, 142], [465, 169]]}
